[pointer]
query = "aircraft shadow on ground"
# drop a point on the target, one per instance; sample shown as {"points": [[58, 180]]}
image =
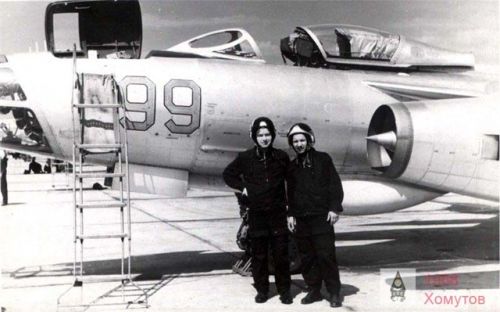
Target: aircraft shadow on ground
{"points": [[347, 289], [408, 247], [148, 267], [444, 248]]}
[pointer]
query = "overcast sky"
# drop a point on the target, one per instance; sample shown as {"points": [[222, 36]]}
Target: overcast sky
{"points": [[466, 26]]}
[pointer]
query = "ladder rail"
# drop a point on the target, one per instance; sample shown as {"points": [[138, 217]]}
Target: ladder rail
{"points": [[127, 177], [74, 84], [122, 217]]}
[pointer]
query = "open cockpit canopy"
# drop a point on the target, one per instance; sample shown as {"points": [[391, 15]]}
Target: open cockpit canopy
{"points": [[229, 44], [107, 29], [346, 45]]}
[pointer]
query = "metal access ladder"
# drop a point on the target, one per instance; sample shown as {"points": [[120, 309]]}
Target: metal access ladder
{"points": [[82, 150]]}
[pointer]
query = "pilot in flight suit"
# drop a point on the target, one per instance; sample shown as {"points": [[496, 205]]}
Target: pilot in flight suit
{"points": [[315, 197], [259, 173]]}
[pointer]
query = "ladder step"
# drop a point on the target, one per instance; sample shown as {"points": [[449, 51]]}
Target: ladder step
{"points": [[102, 205], [122, 235], [92, 279], [109, 105], [100, 175], [104, 145]]}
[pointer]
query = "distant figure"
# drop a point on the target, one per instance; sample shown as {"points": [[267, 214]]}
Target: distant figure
{"points": [[3, 180], [47, 168], [34, 166]]}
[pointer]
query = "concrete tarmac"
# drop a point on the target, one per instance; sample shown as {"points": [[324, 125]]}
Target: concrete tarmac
{"points": [[183, 249]]}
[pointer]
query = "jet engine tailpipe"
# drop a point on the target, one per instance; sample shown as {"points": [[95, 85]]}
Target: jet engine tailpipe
{"points": [[447, 145], [390, 140]]}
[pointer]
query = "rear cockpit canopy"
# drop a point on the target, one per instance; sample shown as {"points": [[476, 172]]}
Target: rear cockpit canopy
{"points": [[346, 45], [230, 44], [356, 42], [106, 29]]}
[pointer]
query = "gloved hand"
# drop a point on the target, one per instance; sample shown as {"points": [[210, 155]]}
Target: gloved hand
{"points": [[291, 224], [332, 218], [243, 211]]}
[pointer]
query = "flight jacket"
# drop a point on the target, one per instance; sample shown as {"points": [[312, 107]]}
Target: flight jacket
{"points": [[314, 186], [262, 175]]}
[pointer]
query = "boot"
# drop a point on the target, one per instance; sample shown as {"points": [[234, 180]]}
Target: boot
{"points": [[312, 296], [286, 297], [335, 300], [261, 297]]}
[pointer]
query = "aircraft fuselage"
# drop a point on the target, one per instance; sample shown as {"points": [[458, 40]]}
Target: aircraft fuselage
{"points": [[193, 114]]}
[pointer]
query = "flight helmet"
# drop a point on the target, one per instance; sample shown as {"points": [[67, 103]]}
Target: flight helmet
{"points": [[259, 123], [301, 128]]}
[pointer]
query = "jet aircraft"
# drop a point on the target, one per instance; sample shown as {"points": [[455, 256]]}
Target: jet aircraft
{"points": [[401, 121]]}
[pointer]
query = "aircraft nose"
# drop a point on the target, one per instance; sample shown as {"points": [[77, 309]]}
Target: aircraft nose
{"points": [[19, 127]]}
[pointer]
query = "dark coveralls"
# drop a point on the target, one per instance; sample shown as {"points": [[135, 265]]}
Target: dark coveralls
{"points": [[3, 181], [264, 178], [35, 167], [314, 189]]}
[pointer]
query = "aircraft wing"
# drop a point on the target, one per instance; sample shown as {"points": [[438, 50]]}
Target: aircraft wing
{"points": [[411, 92]]}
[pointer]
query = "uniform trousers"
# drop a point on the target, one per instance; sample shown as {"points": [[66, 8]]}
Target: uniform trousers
{"points": [[317, 254], [260, 263]]}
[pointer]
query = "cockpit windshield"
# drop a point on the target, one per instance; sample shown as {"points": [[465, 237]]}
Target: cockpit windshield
{"points": [[234, 44], [243, 48], [215, 39]]}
